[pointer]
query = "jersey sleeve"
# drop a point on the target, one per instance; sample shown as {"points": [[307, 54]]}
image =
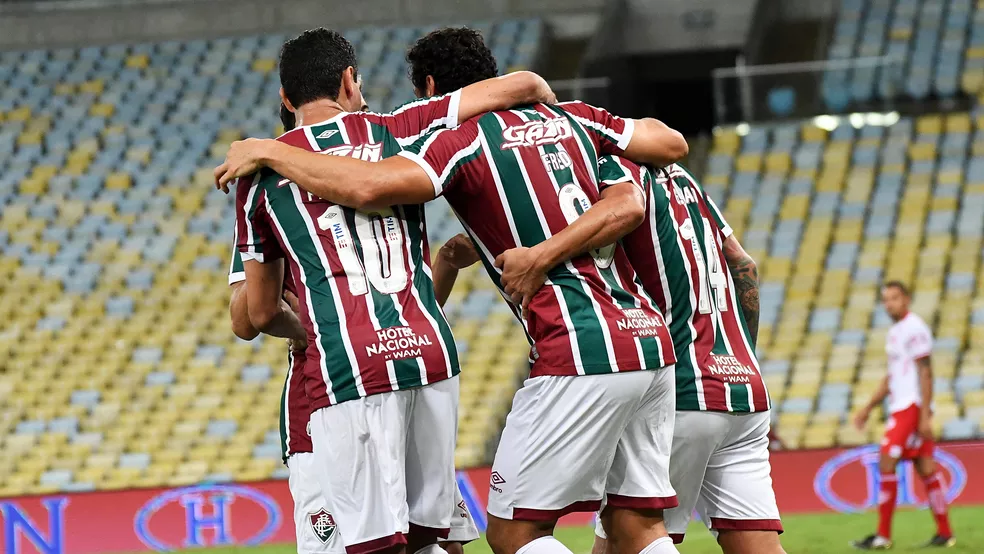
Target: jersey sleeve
{"points": [[413, 120], [613, 170], [919, 342], [254, 234], [443, 153], [611, 134]]}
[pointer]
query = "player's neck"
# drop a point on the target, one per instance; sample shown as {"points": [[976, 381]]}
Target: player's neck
{"points": [[317, 111], [901, 317]]}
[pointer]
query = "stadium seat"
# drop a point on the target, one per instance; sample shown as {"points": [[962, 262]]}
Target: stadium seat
{"points": [[111, 229]]}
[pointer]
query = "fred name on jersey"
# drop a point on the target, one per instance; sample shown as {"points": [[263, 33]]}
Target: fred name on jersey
{"points": [[372, 152]]}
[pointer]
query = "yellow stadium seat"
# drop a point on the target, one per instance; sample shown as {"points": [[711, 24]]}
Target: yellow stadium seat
{"points": [[137, 61]]}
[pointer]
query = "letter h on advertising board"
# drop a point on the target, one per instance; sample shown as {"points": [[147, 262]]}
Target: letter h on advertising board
{"points": [[17, 523], [906, 494], [196, 521]]}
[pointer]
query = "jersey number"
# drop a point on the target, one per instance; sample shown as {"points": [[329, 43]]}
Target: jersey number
{"points": [[573, 203], [710, 275], [382, 244]]}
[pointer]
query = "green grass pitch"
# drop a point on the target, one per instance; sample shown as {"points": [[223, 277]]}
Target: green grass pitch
{"points": [[805, 534]]}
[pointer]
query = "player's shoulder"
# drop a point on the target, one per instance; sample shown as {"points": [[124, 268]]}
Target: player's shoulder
{"points": [[914, 323]]}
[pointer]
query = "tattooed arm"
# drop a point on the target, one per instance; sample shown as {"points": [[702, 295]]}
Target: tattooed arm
{"points": [[744, 272]]}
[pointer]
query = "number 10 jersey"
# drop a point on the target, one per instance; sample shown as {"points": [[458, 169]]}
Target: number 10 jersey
{"points": [[363, 278]]}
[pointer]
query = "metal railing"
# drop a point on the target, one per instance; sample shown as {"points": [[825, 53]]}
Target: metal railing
{"points": [[796, 90]]}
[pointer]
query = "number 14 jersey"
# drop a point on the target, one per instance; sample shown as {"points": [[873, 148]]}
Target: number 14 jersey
{"points": [[363, 278], [678, 252]]}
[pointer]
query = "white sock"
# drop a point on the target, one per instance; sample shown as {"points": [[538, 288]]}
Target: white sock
{"points": [[663, 545], [430, 549], [544, 545]]}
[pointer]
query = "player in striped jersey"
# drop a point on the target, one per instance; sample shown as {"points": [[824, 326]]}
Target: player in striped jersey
{"points": [[380, 356], [515, 178], [680, 252], [314, 526]]}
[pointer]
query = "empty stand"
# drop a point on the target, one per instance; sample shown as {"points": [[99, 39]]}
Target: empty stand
{"points": [[830, 216], [938, 46], [120, 368]]}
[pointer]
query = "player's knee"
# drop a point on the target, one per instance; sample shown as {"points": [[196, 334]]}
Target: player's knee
{"points": [[508, 536], [599, 546], [452, 547], [749, 542], [886, 463], [925, 467], [631, 530]]}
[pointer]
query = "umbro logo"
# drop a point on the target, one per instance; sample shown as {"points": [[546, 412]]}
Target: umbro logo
{"points": [[327, 134], [495, 481]]}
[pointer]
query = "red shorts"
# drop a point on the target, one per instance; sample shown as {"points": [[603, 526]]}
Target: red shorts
{"points": [[902, 440]]}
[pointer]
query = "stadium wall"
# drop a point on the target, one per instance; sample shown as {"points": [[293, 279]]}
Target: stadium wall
{"points": [[256, 513], [52, 24]]}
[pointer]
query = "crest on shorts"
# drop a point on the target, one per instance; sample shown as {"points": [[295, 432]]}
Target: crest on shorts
{"points": [[323, 525]]}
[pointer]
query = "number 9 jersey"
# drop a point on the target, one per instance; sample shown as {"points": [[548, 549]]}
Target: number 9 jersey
{"points": [[516, 177], [363, 279], [678, 254]]}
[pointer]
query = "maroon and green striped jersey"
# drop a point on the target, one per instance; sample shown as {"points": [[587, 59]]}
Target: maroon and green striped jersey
{"points": [[295, 410], [363, 278], [678, 254], [515, 178]]}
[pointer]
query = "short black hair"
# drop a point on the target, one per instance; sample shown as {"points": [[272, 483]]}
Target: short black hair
{"points": [[287, 118], [454, 56], [897, 285], [312, 63]]}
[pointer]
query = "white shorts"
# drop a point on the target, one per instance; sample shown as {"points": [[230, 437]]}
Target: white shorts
{"points": [[571, 441], [314, 525], [463, 528], [720, 467], [386, 464]]}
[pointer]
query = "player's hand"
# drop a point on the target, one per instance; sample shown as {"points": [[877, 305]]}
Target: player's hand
{"points": [[244, 158], [861, 419], [297, 346], [459, 252], [926, 427], [292, 301], [522, 275]]}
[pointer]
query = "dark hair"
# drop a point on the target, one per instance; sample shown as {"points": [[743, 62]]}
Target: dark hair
{"points": [[897, 285], [312, 63], [287, 118], [454, 56]]}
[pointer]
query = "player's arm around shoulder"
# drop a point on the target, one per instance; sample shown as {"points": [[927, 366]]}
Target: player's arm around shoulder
{"points": [[620, 210], [501, 93], [655, 143], [346, 181]]}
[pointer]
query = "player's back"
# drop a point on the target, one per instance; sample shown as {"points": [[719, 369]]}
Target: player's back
{"points": [[515, 178], [363, 278], [678, 254]]}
